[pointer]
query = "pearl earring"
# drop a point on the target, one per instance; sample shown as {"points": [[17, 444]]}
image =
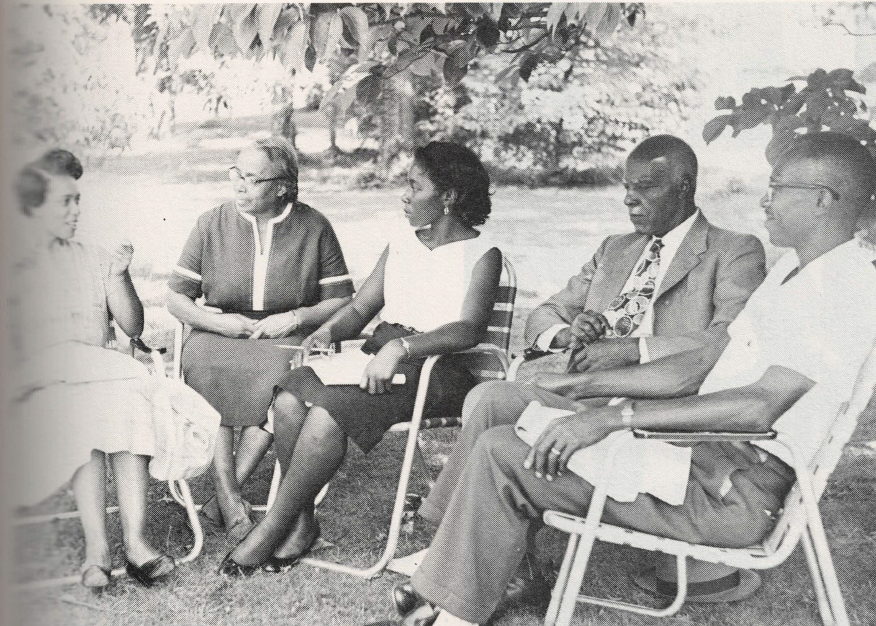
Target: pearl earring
{"points": [[446, 210]]}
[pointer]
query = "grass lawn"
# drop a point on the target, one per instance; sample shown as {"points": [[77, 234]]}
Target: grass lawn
{"points": [[154, 200]]}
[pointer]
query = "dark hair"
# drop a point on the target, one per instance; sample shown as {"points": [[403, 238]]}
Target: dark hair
{"points": [[674, 149], [451, 166], [281, 152], [33, 181], [853, 165]]}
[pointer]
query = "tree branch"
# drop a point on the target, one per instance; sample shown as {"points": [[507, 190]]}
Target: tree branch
{"points": [[848, 32]]}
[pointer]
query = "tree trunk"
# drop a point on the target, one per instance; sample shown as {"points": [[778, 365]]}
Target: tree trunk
{"points": [[397, 123]]}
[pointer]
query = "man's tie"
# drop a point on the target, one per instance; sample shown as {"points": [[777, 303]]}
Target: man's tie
{"points": [[625, 313]]}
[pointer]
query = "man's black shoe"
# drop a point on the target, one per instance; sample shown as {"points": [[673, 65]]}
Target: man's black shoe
{"points": [[532, 591]]}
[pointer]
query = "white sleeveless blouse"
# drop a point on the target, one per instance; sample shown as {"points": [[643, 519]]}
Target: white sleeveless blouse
{"points": [[423, 288]]}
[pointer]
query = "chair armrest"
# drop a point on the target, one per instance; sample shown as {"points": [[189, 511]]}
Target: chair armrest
{"points": [[665, 435], [530, 354]]}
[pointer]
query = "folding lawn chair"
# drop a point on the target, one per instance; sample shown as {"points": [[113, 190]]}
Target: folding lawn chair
{"points": [[179, 490], [799, 520], [489, 360]]}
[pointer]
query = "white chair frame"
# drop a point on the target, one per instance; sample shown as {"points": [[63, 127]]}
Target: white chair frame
{"points": [[799, 520], [179, 491]]}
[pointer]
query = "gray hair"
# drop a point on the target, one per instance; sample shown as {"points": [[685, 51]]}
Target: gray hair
{"points": [[281, 153]]}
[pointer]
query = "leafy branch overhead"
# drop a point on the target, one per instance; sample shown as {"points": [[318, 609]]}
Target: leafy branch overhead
{"points": [[824, 103], [382, 40]]}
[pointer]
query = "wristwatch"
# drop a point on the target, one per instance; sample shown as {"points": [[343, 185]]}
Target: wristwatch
{"points": [[627, 413]]}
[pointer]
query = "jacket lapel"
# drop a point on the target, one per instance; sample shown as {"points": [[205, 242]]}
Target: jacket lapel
{"points": [[617, 268], [688, 255]]}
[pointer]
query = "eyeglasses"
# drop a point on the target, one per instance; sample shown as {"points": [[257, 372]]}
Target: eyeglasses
{"points": [[771, 191], [235, 176]]}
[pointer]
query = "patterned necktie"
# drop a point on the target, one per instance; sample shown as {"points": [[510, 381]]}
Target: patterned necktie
{"points": [[625, 313]]}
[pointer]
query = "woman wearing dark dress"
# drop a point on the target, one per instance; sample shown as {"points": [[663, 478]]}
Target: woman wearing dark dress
{"points": [[434, 287], [270, 270]]}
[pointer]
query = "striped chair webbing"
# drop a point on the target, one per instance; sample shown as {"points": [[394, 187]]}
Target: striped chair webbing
{"points": [[484, 366]]}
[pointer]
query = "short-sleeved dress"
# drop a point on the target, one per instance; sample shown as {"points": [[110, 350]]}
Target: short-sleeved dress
{"points": [[299, 264], [59, 302], [423, 289]]}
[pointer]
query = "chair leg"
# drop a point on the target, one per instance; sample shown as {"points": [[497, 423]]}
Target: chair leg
{"points": [[817, 580], [394, 524], [822, 551], [569, 594], [562, 579], [180, 491]]}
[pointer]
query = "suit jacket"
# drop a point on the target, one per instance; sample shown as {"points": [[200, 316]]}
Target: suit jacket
{"points": [[708, 282]]}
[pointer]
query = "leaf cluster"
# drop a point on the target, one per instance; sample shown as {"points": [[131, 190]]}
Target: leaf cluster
{"points": [[823, 103], [381, 40]]}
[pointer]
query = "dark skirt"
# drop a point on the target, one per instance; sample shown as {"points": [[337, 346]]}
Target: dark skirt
{"points": [[236, 376], [365, 417]]}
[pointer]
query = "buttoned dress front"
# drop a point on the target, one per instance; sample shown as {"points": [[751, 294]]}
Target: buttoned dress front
{"points": [[299, 264]]}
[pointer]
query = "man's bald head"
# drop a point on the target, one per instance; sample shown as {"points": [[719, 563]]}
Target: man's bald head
{"points": [[836, 161], [680, 159]]}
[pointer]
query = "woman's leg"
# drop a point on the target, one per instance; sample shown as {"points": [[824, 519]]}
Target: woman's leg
{"points": [[317, 454], [132, 480], [254, 443], [225, 479], [89, 489]]}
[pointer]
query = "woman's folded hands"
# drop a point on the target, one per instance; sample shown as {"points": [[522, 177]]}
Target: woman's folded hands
{"points": [[277, 325]]}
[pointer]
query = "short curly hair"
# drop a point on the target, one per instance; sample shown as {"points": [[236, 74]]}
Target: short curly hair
{"points": [[281, 153], [32, 182], [451, 166]]}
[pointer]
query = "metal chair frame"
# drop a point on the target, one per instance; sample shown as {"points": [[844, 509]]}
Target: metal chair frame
{"points": [[800, 520], [179, 491]]}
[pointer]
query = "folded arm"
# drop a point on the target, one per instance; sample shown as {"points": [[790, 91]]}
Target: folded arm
{"points": [[753, 407], [672, 376]]}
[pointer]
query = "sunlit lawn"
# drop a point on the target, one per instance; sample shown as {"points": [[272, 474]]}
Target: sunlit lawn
{"points": [[548, 234]]}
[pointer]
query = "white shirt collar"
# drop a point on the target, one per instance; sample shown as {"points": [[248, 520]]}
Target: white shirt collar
{"points": [[674, 237]]}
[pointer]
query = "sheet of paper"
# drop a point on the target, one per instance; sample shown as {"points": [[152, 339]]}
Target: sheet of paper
{"points": [[345, 368], [641, 465]]}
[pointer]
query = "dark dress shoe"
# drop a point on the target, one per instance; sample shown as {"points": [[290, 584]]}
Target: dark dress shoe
{"points": [[229, 568], [527, 591], [423, 615], [148, 573], [278, 565]]}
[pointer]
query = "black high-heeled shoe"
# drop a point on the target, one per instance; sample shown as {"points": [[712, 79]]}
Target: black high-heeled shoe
{"points": [[148, 573], [232, 569], [278, 565]]}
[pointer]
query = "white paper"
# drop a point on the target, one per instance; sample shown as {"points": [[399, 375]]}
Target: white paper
{"points": [[345, 368], [641, 466]]}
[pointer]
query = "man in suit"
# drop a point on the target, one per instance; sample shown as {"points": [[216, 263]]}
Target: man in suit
{"points": [[693, 278], [791, 360], [672, 285]]}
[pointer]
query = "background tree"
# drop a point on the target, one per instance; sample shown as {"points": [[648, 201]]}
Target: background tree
{"points": [[387, 44]]}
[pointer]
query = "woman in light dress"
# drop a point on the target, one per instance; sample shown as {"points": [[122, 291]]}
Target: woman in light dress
{"points": [[75, 403]]}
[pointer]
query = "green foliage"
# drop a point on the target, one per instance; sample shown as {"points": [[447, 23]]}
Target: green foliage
{"points": [[826, 102], [571, 120], [73, 79], [383, 40]]}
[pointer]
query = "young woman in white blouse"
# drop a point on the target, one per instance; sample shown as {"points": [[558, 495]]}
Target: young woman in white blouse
{"points": [[435, 287]]}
